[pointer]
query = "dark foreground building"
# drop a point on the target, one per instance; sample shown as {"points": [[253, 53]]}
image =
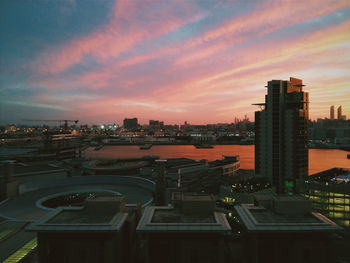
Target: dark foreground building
{"points": [[101, 231], [283, 229], [189, 231]]}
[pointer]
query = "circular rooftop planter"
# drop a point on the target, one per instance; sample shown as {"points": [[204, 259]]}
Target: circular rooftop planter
{"points": [[71, 198]]}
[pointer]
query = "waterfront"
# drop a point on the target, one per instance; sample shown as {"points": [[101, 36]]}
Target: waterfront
{"points": [[319, 159]]}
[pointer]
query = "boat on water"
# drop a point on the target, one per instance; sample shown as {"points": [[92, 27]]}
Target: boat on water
{"points": [[146, 146], [203, 146], [99, 147]]}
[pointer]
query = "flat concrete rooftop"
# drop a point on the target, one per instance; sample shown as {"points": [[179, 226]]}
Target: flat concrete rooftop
{"points": [[81, 217], [176, 216], [75, 219], [169, 219], [267, 216], [258, 218], [197, 197]]}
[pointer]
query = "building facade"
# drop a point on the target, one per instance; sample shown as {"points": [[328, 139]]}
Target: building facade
{"points": [[329, 192], [281, 152]]}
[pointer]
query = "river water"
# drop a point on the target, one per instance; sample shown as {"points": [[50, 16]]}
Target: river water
{"points": [[319, 159]]}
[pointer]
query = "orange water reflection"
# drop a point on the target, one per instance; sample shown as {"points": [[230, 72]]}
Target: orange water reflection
{"points": [[320, 159]]}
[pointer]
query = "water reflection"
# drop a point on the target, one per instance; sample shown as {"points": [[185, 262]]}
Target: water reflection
{"points": [[319, 159]]}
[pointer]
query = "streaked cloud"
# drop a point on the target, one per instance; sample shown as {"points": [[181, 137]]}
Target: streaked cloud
{"points": [[36, 105], [200, 61]]}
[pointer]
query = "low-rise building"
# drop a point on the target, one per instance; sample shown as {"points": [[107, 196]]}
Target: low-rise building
{"points": [[188, 231], [229, 165], [97, 232], [283, 229]]}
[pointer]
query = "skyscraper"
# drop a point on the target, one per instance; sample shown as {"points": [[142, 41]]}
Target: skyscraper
{"points": [[281, 152], [340, 113], [130, 124], [332, 112]]}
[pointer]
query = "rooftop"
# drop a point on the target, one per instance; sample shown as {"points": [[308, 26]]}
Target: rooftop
{"points": [[81, 217], [169, 219], [106, 216], [258, 218], [266, 216], [176, 216], [197, 197], [78, 219]]}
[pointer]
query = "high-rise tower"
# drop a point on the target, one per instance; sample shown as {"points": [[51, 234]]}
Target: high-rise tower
{"points": [[281, 152], [331, 115], [340, 113]]}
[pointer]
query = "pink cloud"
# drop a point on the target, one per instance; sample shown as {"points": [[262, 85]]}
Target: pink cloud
{"points": [[190, 95], [212, 85], [265, 19], [124, 31]]}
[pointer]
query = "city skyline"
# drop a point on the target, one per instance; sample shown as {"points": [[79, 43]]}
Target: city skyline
{"points": [[196, 61]]}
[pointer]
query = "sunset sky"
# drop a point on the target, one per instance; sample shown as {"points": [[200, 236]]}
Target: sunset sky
{"points": [[201, 61]]}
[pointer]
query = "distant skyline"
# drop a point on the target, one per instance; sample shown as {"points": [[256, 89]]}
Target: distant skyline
{"points": [[200, 61]]}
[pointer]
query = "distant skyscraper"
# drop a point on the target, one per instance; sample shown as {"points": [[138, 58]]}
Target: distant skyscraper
{"points": [[130, 124], [332, 112], [156, 124], [340, 113], [281, 152]]}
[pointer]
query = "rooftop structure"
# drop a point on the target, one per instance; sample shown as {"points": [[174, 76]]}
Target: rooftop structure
{"points": [[8, 184]]}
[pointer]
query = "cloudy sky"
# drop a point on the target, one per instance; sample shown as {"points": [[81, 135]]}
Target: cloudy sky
{"points": [[203, 61]]}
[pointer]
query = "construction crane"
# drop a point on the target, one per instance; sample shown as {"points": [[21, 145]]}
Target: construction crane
{"points": [[65, 122]]}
